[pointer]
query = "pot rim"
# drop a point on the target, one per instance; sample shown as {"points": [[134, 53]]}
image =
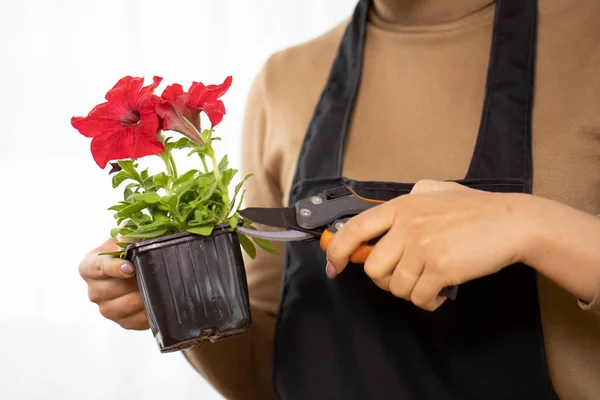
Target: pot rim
{"points": [[156, 242]]}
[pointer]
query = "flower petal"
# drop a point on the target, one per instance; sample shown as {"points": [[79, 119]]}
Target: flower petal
{"points": [[119, 96], [172, 92], [148, 91], [102, 119], [200, 94], [129, 143], [215, 111]]}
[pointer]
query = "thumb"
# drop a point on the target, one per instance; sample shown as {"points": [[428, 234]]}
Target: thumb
{"points": [[428, 186], [121, 239], [96, 266], [125, 269]]}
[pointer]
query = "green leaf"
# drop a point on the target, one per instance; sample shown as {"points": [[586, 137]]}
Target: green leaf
{"points": [[197, 151], [185, 186], [203, 215], [161, 180], [141, 218], [146, 235], [237, 189], [119, 254], [159, 215], [181, 143], [233, 221], [149, 184], [203, 221], [265, 245], [185, 210], [133, 208], [120, 178], [118, 207], [185, 177], [223, 163], [128, 166], [162, 207], [210, 191], [123, 245], [114, 232], [149, 198], [127, 192], [144, 174], [227, 176], [237, 208], [153, 226], [203, 230], [170, 201], [206, 135], [247, 245]]}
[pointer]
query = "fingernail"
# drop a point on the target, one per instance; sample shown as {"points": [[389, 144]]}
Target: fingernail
{"points": [[330, 270], [127, 268]]}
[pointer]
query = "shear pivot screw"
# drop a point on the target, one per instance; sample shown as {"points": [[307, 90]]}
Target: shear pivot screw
{"points": [[338, 225], [305, 212], [316, 200]]}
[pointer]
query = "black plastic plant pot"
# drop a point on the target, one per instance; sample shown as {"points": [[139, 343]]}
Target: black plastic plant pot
{"points": [[193, 287]]}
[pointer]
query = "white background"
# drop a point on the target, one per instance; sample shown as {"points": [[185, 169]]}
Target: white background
{"points": [[57, 60]]}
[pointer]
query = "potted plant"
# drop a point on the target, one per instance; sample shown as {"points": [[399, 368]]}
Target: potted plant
{"points": [[186, 251]]}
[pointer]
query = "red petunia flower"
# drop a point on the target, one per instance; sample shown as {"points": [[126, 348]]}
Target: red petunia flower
{"points": [[176, 114], [206, 98], [180, 111], [126, 126]]}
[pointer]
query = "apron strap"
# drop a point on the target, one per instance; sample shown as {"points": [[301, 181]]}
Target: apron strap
{"points": [[507, 109], [330, 120]]}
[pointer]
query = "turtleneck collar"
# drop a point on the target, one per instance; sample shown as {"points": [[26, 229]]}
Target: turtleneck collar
{"points": [[421, 13]]}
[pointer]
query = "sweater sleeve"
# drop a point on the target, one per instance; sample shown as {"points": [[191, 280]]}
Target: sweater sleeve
{"points": [[240, 367], [594, 305]]}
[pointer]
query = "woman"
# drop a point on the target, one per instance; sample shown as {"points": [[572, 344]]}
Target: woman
{"points": [[500, 98]]}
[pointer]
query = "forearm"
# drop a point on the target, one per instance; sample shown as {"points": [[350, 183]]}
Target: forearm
{"points": [[563, 244], [239, 367]]}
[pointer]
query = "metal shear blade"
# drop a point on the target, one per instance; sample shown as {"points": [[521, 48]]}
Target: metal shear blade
{"points": [[276, 217], [281, 236]]}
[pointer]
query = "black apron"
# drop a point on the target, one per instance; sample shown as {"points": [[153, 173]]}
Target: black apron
{"points": [[346, 338]]}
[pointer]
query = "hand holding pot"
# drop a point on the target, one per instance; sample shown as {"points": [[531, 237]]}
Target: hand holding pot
{"points": [[112, 285]]}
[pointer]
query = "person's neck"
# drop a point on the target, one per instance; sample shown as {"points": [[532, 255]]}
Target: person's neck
{"points": [[426, 12]]}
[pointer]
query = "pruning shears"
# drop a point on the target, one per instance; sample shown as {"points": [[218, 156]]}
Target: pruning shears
{"points": [[317, 217]]}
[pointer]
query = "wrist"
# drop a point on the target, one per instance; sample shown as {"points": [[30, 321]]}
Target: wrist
{"points": [[557, 241], [529, 227]]}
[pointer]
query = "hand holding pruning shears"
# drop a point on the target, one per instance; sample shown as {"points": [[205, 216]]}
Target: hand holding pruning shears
{"points": [[440, 235], [437, 237]]}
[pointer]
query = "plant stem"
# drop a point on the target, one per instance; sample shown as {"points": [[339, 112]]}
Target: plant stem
{"points": [[204, 162], [138, 178], [173, 166], [215, 165], [165, 159]]}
